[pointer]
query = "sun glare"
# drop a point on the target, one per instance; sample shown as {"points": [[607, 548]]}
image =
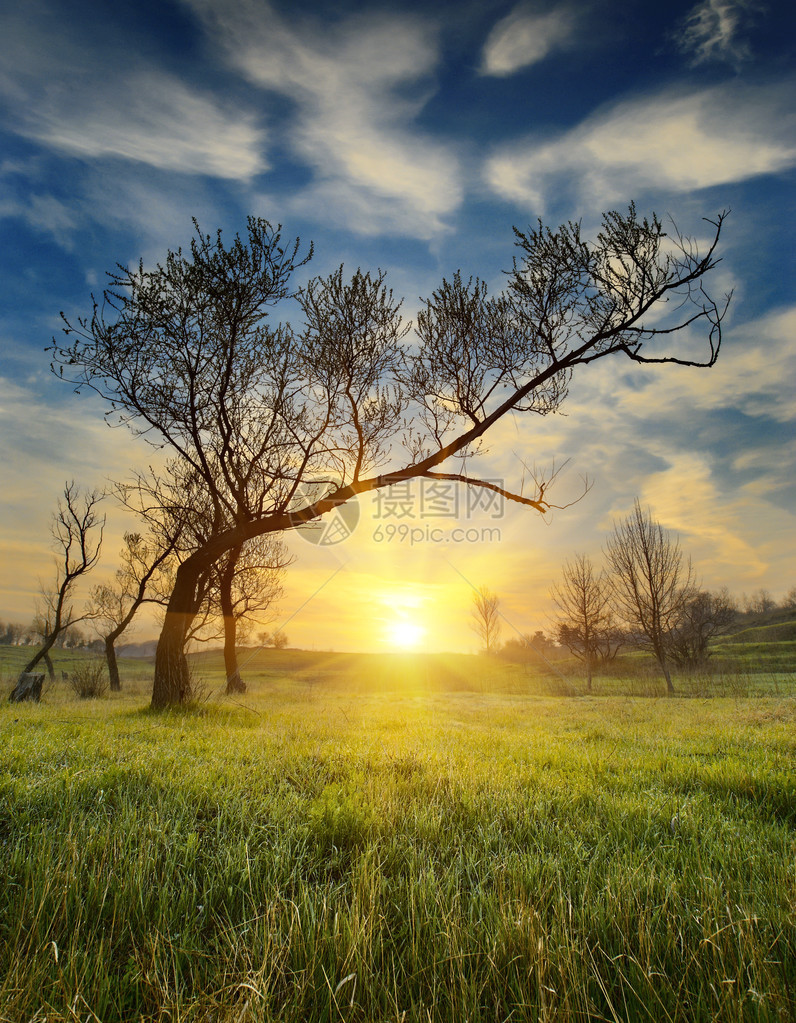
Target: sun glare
{"points": [[405, 635]]}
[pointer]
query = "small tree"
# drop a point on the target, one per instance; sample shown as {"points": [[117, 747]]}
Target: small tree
{"points": [[789, 600], [247, 584], [485, 618], [652, 583], [703, 617], [114, 605], [761, 602], [585, 623], [77, 537]]}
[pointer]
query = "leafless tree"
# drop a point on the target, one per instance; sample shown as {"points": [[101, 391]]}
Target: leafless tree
{"points": [[485, 618], [705, 616], [652, 583], [284, 424], [113, 606], [761, 602], [77, 537], [789, 600], [247, 584], [585, 621]]}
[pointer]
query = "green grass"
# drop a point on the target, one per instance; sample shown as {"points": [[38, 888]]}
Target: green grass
{"points": [[426, 843]]}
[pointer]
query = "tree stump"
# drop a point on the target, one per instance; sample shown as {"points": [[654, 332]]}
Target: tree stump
{"points": [[28, 687]]}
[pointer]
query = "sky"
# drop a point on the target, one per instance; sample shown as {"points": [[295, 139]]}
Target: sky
{"points": [[413, 137]]}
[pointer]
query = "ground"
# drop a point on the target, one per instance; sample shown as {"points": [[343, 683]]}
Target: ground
{"points": [[402, 840]]}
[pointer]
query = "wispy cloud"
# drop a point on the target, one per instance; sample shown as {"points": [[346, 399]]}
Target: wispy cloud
{"points": [[65, 97], [523, 38], [670, 141], [712, 31], [357, 89]]}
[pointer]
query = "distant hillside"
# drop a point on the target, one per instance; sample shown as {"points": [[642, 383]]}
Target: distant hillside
{"points": [[143, 650], [777, 632]]}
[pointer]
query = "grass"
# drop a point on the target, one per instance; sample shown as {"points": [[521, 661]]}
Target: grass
{"points": [[422, 842]]}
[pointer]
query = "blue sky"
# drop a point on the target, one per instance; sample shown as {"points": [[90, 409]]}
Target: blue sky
{"points": [[412, 137]]}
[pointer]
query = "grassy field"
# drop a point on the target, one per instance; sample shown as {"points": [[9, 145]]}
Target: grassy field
{"points": [[404, 839]]}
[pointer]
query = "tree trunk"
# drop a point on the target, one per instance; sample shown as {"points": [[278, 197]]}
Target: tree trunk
{"points": [[235, 683], [42, 654], [666, 673], [668, 677], [113, 667], [172, 684]]}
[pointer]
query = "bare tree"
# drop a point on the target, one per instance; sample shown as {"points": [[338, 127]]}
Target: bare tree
{"points": [[652, 583], [705, 616], [113, 605], [789, 600], [77, 537], [761, 602], [283, 425], [247, 584], [585, 622], [485, 618]]}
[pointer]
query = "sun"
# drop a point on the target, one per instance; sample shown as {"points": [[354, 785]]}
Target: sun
{"points": [[404, 634]]}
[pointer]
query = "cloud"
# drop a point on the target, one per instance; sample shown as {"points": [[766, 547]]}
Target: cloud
{"points": [[670, 141], [523, 38], [63, 96], [753, 374], [710, 31], [357, 89]]}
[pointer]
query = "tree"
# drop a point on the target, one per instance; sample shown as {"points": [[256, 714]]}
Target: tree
{"points": [[77, 537], [282, 425], [585, 622], [114, 605], [703, 617], [761, 602], [485, 618], [247, 583], [652, 584], [789, 600]]}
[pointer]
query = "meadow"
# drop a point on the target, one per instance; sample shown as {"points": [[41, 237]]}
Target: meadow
{"points": [[401, 839]]}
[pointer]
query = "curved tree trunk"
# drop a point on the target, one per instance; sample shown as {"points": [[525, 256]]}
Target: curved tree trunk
{"points": [[113, 667], [172, 684], [43, 654]]}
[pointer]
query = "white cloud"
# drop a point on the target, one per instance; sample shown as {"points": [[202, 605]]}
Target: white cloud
{"points": [[354, 121], [61, 94], [157, 120], [667, 141], [754, 374], [523, 38], [711, 31]]}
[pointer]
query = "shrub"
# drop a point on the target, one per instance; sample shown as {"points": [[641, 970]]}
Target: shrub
{"points": [[88, 680]]}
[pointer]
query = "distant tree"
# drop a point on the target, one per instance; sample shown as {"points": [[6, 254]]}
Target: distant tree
{"points": [[12, 633], [789, 600], [651, 583], [761, 602], [284, 424], [703, 617], [585, 620], [114, 605], [77, 537], [278, 640], [485, 618]]}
